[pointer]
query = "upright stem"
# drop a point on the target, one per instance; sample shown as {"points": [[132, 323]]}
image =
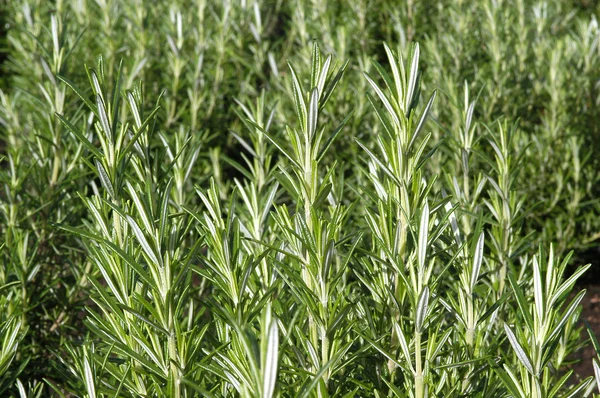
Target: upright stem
{"points": [[174, 372], [24, 304], [419, 385], [471, 321], [470, 337], [55, 168], [314, 333], [504, 256]]}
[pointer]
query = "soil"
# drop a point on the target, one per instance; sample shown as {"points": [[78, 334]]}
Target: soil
{"points": [[591, 313], [590, 281]]}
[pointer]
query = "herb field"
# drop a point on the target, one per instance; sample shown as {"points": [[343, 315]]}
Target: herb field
{"points": [[298, 198]]}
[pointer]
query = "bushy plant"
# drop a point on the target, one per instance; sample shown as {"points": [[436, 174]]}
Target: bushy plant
{"points": [[302, 198]]}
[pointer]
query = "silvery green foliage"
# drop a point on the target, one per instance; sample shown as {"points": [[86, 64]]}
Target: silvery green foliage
{"points": [[261, 199]]}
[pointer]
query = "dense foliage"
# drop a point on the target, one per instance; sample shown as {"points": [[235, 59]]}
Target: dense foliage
{"points": [[295, 199]]}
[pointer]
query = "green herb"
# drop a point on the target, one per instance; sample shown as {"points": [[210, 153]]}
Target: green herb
{"points": [[262, 199]]}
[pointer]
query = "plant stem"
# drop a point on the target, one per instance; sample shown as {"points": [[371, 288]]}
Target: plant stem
{"points": [[419, 385]]}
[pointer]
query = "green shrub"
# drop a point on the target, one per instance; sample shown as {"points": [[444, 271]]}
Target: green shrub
{"points": [[261, 199]]}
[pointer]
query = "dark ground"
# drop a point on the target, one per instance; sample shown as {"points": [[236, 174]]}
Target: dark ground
{"points": [[590, 281], [591, 313]]}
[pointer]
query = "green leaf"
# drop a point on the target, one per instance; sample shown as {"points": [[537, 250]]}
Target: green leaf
{"points": [[593, 338], [411, 88], [510, 381], [279, 147], [104, 179], [523, 305], [141, 208], [395, 72], [566, 286], [271, 362], [331, 85], [332, 138], [566, 315], [383, 167], [323, 77], [422, 120], [422, 310], [521, 354], [89, 378], [104, 122], [313, 113], [423, 234], [477, 260], [538, 293], [80, 136], [299, 99], [316, 65], [83, 97], [144, 319], [384, 99], [142, 240], [596, 372]]}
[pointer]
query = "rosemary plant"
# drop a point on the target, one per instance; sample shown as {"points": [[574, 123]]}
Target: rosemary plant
{"points": [[260, 199]]}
